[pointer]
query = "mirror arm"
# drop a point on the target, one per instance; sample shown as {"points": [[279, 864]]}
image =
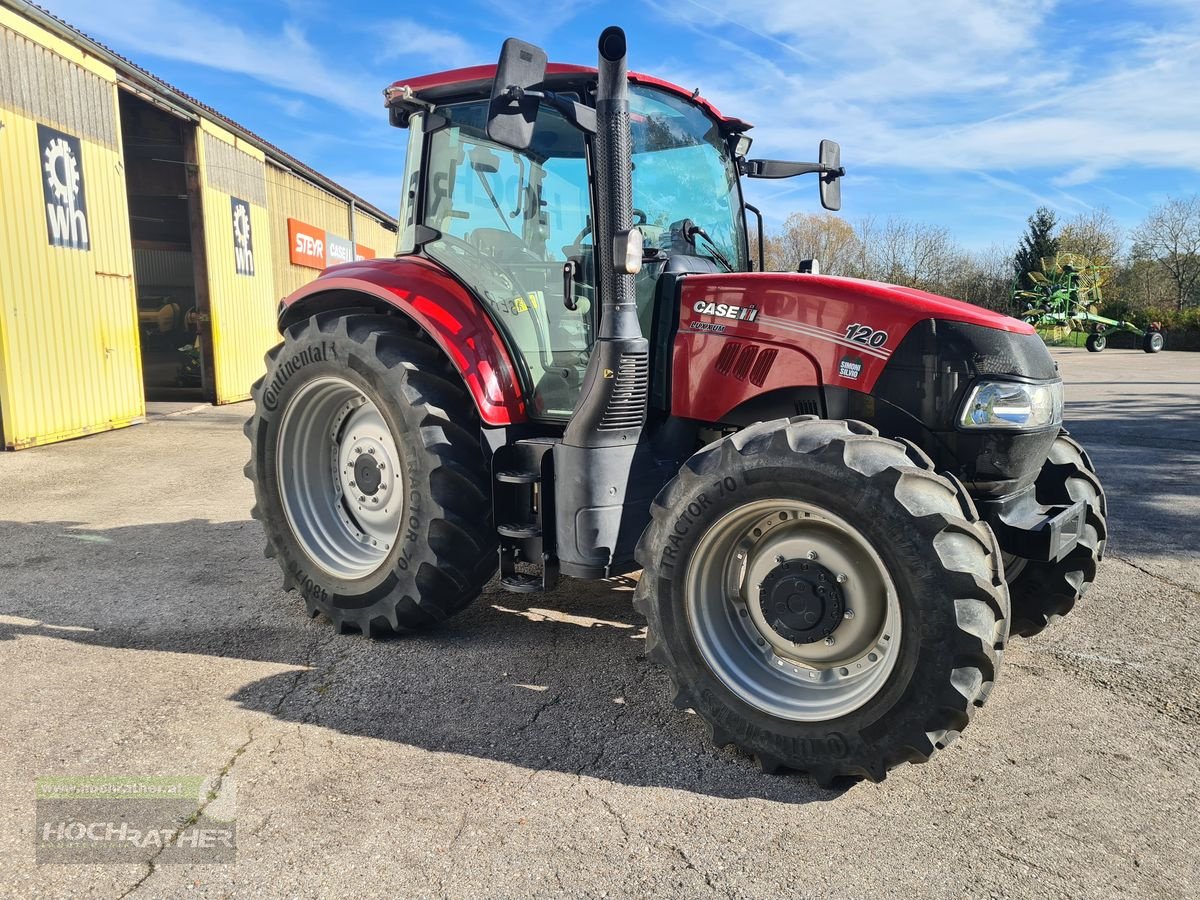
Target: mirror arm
{"points": [[774, 168]]}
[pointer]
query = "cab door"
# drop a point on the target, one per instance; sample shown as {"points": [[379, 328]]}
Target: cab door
{"points": [[507, 224]]}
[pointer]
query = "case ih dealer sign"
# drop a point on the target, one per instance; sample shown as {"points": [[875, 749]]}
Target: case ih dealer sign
{"points": [[316, 248]]}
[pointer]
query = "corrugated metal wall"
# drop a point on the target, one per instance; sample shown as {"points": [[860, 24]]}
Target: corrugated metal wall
{"points": [[374, 234], [291, 197], [242, 300], [69, 356], [70, 361]]}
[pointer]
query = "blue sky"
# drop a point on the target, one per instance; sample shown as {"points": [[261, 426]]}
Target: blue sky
{"points": [[967, 115]]}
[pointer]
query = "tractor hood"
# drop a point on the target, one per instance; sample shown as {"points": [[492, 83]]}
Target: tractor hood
{"points": [[818, 298], [744, 334]]}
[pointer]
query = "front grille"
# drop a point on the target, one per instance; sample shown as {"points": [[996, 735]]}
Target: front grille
{"points": [[627, 403]]}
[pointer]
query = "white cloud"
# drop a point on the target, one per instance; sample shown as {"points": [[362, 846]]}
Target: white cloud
{"points": [[931, 85], [405, 39], [284, 57], [176, 30]]}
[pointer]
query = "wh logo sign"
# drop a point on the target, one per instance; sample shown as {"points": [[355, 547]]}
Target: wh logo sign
{"points": [[243, 240], [61, 158]]}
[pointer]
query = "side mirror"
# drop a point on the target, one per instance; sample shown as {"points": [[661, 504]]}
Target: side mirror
{"points": [[831, 175], [513, 113]]}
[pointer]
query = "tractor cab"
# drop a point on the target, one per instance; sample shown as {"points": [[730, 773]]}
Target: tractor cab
{"points": [[516, 225]]}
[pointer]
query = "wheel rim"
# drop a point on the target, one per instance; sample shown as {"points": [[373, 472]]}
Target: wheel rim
{"points": [[752, 588], [339, 477]]}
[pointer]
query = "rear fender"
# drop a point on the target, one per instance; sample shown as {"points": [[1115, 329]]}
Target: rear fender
{"points": [[440, 307]]}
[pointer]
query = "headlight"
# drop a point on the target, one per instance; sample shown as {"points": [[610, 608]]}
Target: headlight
{"points": [[1011, 404]]}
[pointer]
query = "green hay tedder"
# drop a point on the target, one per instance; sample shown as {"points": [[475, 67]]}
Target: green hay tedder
{"points": [[1064, 302]]}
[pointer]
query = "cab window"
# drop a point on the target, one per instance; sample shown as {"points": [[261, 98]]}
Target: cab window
{"points": [[509, 221]]}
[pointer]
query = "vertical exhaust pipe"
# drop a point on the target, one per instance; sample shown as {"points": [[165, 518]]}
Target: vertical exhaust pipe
{"points": [[612, 404], [614, 186], [599, 513]]}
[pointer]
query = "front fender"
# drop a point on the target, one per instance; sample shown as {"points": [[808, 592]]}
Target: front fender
{"points": [[441, 307]]}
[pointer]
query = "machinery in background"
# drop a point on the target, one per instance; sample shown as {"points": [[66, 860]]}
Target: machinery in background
{"points": [[1066, 297], [170, 336]]}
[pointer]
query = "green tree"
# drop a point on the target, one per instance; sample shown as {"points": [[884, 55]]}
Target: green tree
{"points": [[1039, 242]]}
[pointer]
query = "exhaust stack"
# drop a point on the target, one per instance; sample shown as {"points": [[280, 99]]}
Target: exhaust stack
{"points": [[595, 504]]}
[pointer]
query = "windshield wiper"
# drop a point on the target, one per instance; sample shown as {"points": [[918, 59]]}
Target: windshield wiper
{"points": [[717, 255], [492, 196]]}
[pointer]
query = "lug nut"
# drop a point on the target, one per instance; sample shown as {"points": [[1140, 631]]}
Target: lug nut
{"points": [[779, 559], [372, 451], [842, 579], [812, 554], [829, 641], [848, 614]]}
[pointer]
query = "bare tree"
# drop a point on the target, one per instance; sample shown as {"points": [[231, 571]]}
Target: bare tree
{"points": [[1170, 236], [1094, 234], [821, 236], [912, 254]]}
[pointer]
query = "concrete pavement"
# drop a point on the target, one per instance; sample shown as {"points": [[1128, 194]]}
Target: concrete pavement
{"points": [[528, 747]]}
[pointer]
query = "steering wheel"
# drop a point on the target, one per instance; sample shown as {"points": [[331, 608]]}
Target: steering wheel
{"points": [[639, 215]]}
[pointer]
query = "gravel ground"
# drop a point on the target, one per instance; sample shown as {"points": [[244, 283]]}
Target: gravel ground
{"points": [[528, 748]]}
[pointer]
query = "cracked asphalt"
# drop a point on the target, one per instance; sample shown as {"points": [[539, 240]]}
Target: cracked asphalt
{"points": [[529, 749]]}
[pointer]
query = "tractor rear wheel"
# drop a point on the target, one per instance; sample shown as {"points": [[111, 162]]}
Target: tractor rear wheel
{"points": [[1096, 343], [822, 598], [368, 478], [1044, 592], [1153, 341]]}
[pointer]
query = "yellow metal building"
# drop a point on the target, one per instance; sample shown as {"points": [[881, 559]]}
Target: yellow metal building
{"points": [[145, 240]]}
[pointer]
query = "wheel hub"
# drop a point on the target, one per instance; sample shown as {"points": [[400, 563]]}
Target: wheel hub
{"points": [[801, 601], [793, 609], [366, 467], [366, 475]]}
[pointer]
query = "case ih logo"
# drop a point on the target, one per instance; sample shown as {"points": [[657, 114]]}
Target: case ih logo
{"points": [[316, 248], [61, 157], [243, 240], [726, 310]]}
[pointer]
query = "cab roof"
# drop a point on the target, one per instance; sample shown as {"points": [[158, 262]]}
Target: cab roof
{"points": [[476, 81]]}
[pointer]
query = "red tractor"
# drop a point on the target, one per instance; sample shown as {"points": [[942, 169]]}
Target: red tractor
{"points": [[832, 487]]}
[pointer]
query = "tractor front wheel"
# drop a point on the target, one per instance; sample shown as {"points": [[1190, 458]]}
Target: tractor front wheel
{"points": [[368, 480], [822, 598], [1043, 592]]}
